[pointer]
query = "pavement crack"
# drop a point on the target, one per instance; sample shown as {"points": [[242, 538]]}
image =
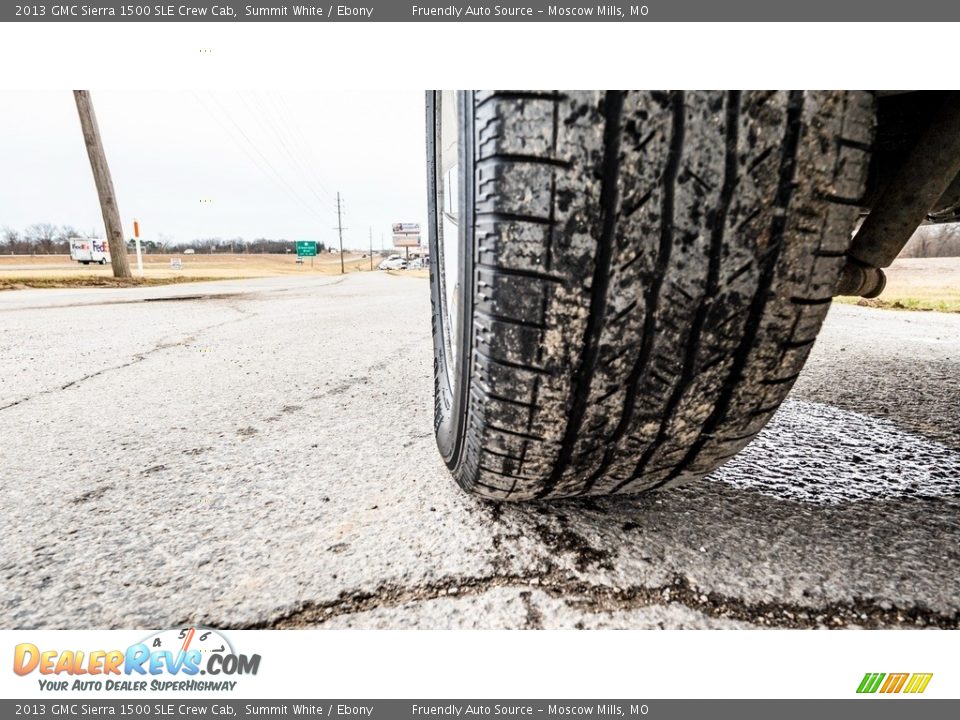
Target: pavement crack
{"points": [[534, 619], [90, 495], [136, 358], [563, 539], [598, 598], [361, 378]]}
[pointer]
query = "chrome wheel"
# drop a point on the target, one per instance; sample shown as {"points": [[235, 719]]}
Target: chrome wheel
{"points": [[448, 209]]}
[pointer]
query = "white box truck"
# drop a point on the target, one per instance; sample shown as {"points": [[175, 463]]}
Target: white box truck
{"points": [[88, 250]]}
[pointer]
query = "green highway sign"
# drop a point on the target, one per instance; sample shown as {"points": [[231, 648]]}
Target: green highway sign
{"points": [[306, 248]]}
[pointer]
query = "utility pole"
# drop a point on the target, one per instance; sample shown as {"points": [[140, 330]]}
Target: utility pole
{"points": [[371, 248], [339, 229], [101, 177]]}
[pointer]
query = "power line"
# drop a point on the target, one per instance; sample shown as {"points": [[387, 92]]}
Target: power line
{"points": [[258, 163], [276, 173], [288, 116], [272, 130]]}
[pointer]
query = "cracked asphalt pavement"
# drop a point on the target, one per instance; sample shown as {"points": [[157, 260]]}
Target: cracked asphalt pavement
{"points": [[260, 453]]}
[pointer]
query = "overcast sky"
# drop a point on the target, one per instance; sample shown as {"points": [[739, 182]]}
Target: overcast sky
{"points": [[266, 164]]}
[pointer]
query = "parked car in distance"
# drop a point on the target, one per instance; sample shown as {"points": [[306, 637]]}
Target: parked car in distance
{"points": [[391, 263]]}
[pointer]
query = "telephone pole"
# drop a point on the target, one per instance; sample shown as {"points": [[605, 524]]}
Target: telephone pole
{"points": [[101, 177], [340, 229], [371, 248]]}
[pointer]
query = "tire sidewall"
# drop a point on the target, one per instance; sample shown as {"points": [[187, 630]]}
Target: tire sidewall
{"points": [[451, 377]]}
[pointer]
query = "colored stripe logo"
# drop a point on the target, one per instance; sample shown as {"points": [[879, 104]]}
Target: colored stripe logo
{"points": [[913, 683]]}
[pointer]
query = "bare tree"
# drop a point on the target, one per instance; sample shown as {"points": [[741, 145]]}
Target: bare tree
{"points": [[64, 234], [41, 236], [101, 176], [11, 238], [931, 241]]}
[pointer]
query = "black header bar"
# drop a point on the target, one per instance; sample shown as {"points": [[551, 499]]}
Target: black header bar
{"points": [[510, 11]]}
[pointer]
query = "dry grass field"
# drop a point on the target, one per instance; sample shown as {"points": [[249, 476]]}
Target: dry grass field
{"points": [[422, 273], [17, 271], [912, 283], [918, 284]]}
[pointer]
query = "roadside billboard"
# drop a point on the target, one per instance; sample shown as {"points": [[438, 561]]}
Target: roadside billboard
{"points": [[406, 234]]}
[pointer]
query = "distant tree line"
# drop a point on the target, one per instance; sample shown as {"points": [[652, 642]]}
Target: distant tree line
{"points": [[230, 246], [934, 241], [39, 239], [50, 239]]}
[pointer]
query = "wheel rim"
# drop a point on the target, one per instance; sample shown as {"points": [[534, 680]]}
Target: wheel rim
{"points": [[448, 211]]}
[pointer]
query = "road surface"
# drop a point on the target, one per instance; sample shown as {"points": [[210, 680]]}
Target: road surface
{"points": [[259, 453]]}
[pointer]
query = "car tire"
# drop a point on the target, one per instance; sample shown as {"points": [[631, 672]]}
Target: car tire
{"points": [[637, 277]]}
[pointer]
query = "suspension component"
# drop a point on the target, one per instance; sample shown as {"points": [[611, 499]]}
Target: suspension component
{"points": [[916, 188]]}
